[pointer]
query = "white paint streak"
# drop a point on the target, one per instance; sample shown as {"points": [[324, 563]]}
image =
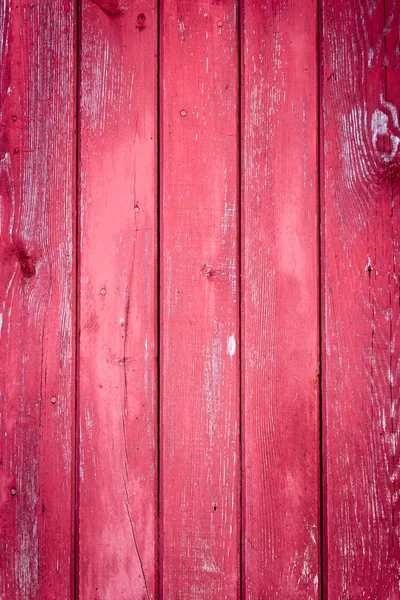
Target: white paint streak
{"points": [[181, 29], [371, 55], [316, 584], [231, 345], [1, 322]]}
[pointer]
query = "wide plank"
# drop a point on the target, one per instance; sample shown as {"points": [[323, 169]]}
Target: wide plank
{"points": [[361, 227], [280, 287], [117, 532], [37, 298], [199, 386]]}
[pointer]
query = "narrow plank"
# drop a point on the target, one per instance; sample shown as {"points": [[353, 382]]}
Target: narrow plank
{"points": [[361, 323], [37, 291], [117, 351], [280, 329], [199, 301]]}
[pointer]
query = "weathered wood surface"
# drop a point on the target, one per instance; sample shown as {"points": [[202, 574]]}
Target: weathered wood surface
{"points": [[199, 301], [239, 477], [117, 293], [37, 291], [361, 166], [280, 332]]}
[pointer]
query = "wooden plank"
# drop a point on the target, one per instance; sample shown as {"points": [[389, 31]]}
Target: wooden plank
{"points": [[37, 291], [117, 352], [280, 329], [361, 325], [199, 301]]}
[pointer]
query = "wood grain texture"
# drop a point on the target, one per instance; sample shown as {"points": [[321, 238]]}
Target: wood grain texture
{"points": [[280, 329], [361, 90], [199, 301], [118, 309], [37, 291]]}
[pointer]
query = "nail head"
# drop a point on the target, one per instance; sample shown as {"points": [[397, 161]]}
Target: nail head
{"points": [[183, 113]]}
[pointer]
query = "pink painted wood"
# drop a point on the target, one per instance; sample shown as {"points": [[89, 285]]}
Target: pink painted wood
{"points": [[235, 513], [117, 284], [361, 166], [37, 291], [199, 301], [280, 331]]}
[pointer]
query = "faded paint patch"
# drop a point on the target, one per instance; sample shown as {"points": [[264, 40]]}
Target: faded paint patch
{"points": [[212, 379], [209, 566], [381, 127]]}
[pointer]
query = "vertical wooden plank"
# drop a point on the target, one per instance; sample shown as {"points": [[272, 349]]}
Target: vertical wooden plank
{"points": [[117, 352], [280, 329], [199, 301], [361, 325], [37, 291]]}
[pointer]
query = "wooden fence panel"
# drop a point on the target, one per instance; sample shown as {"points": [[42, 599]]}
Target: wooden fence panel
{"points": [[280, 330], [226, 505], [37, 296], [118, 308], [199, 301], [361, 166]]}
